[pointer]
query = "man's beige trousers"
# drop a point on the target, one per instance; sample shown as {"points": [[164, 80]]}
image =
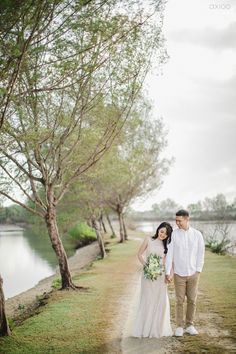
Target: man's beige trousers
{"points": [[185, 286]]}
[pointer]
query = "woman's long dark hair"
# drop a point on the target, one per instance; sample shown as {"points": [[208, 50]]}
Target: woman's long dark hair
{"points": [[169, 230]]}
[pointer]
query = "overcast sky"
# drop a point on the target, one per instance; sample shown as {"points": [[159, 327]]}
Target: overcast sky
{"points": [[196, 96]]}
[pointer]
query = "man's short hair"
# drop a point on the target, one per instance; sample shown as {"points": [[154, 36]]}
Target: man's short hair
{"points": [[182, 212]]}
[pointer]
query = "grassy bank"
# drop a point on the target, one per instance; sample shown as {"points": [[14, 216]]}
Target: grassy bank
{"points": [[79, 321]]}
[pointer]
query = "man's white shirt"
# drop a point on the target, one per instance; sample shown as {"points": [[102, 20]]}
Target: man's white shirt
{"points": [[186, 252]]}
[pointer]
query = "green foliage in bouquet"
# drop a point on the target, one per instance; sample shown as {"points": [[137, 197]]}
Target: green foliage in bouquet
{"points": [[154, 267]]}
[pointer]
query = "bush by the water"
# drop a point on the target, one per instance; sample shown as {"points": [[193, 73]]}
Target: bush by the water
{"points": [[218, 241], [219, 247], [56, 284], [82, 234]]}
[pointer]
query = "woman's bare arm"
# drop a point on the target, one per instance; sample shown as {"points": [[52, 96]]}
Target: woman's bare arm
{"points": [[142, 250]]}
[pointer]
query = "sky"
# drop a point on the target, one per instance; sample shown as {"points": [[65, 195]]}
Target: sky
{"points": [[195, 93]]}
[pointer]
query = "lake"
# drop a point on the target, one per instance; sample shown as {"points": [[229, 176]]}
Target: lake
{"points": [[206, 227], [26, 257]]}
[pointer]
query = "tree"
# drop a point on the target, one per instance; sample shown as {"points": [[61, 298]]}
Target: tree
{"points": [[4, 328], [208, 204], [216, 207], [166, 208], [134, 165], [113, 233], [90, 62], [219, 204], [21, 22], [88, 207], [195, 209]]}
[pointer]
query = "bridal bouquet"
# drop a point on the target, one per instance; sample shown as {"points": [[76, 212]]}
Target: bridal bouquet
{"points": [[153, 267]]}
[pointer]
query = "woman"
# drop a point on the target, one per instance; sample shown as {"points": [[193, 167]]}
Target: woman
{"points": [[153, 316]]}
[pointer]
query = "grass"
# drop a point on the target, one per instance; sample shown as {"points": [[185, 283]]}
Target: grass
{"points": [[82, 321], [217, 303], [220, 282], [78, 321]]}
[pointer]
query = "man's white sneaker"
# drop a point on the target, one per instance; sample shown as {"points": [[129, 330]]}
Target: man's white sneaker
{"points": [[191, 330], [179, 332]]}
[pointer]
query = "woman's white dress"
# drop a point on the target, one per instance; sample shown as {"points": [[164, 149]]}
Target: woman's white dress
{"points": [[153, 314]]}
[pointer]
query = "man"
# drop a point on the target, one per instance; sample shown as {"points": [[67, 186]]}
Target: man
{"points": [[186, 256]]}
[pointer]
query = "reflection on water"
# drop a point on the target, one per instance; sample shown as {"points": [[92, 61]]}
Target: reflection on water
{"points": [[26, 257], [147, 226], [20, 266]]}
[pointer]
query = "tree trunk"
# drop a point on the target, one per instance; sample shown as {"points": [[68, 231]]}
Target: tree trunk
{"points": [[110, 224], [89, 223], [102, 223], [58, 247], [99, 237], [4, 328], [119, 212], [124, 227]]}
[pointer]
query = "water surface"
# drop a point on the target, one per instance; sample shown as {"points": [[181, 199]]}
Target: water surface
{"points": [[26, 257]]}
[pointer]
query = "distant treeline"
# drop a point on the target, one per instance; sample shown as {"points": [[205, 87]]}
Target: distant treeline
{"points": [[13, 214], [216, 208]]}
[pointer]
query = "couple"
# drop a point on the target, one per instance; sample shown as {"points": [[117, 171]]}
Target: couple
{"points": [[182, 252]]}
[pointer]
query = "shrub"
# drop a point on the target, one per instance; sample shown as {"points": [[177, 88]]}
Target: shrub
{"points": [[56, 284], [82, 234], [219, 242], [219, 247]]}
